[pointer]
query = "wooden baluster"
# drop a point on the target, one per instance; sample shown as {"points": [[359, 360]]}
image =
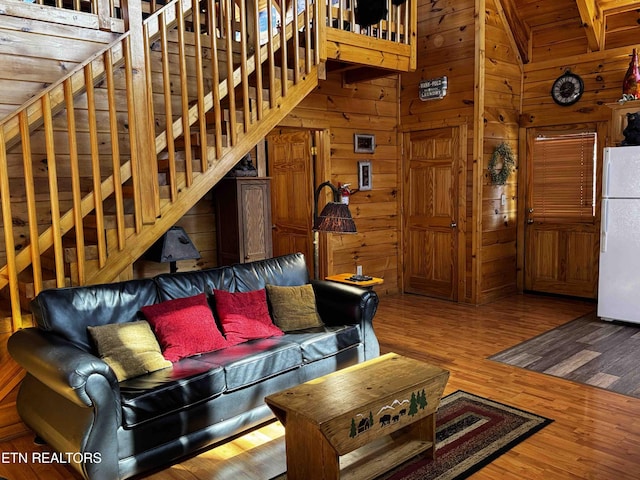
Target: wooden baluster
{"points": [[95, 165], [54, 205], [75, 181], [231, 94], [272, 62], [32, 214], [296, 43], [168, 108], [202, 119], [284, 73], [184, 94], [307, 36], [115, 149], [10, 249], [316, 31], [215, 80], [104, 10], [244, 54], [134, 162], [258, 59]]}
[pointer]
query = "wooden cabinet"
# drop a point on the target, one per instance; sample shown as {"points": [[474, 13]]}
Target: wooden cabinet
{"points": [[243, 219], [619, 120]]}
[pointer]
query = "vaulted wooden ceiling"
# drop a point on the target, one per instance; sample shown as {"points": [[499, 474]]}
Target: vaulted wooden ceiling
{"points": [[605, 24]]}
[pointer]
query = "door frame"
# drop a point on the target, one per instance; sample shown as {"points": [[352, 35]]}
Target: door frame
{"points": [[461, 230]]}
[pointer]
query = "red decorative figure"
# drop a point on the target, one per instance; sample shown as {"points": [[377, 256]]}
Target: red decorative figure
{"points": [[631, 83]]}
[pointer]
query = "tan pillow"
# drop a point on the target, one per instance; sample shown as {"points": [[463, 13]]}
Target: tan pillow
{"points": [[130, 349], [293, 308]]}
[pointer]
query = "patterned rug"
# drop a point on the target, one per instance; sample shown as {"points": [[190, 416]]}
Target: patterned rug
{"points": [[471, 431], [585, 350]]}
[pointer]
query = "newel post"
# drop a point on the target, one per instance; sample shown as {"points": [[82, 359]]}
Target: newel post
{"points": [[146, 174]]}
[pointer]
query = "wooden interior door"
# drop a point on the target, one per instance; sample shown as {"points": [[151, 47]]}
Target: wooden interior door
{"points": [[561, 244], [290, 168], [431, 212]]}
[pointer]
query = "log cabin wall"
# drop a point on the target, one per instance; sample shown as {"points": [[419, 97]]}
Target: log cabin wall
{"points": [[501, 95], [368, 107], [446, 46], [25, 37], [468, 42], [601, 62]]}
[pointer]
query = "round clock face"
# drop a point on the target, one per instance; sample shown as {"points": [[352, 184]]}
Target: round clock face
{"points": [[567, 89]]}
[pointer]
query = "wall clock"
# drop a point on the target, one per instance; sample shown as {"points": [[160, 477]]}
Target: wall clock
{"points": [[567, 89]]}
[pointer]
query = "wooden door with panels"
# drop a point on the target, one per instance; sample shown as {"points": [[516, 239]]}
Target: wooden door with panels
{"points": [[290, 167], [561, 200], [431, 186]]}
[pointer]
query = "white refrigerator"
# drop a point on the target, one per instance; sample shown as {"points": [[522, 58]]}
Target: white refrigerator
{"points": [[619, 272]]}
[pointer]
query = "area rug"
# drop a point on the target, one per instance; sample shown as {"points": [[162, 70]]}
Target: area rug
{"points": [[471, 432], [585, 350]]}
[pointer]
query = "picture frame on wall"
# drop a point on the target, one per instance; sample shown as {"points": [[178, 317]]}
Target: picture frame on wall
{"points": [[365, 175], [364, 143]]}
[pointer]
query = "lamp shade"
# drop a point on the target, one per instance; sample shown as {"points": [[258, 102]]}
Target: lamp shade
{"points": [[335, 217], [173, 246]]}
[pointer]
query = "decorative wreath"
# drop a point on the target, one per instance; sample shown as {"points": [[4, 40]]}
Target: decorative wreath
{"points": [[503, 154]]}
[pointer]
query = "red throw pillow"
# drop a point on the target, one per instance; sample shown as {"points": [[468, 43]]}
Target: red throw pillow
{"points": [[244, 315], [184, 327]]}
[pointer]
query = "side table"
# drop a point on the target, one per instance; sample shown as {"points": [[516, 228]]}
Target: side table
{"points": [[344, 278]]}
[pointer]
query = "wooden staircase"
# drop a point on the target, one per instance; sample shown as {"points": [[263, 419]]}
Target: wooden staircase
{"points": [[100, 164], [211, 97]]}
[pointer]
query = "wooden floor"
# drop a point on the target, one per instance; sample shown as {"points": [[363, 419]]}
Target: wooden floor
{"points": [[595, 435]]}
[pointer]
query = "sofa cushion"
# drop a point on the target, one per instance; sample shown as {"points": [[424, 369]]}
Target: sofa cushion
{"points": [[254, 361], [287, 270], [130, 349], [187, 284], [244, 315], [68, 312], [186, 383], [184, 326], [322, 342], [293, 308]]}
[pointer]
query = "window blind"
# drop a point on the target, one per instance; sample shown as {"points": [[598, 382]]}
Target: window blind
{"points": [[564, 178]]}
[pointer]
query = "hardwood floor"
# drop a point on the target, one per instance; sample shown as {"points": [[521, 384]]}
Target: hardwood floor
{"points": [[595, 435]]}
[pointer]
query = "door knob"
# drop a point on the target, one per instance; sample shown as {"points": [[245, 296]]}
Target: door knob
{"points": [[453, 225], [529, 221]]}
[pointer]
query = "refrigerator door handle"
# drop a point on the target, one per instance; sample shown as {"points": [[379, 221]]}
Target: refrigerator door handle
{"points": [[606, 172], [604, 225]]}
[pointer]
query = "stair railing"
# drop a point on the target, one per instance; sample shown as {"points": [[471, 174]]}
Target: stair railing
{"points": [[69, 159]]}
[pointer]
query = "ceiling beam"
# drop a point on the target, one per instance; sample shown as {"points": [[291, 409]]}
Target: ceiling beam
{"points": [[520, 31], [591, 17]]}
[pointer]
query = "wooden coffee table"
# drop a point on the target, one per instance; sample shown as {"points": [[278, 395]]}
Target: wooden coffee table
{"points": [[360, 421]]}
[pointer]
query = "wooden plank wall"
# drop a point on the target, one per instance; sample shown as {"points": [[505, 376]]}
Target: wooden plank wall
{"points": [[369, 107], [446, 46], [502, 94], [449, 45], [24, 71]]}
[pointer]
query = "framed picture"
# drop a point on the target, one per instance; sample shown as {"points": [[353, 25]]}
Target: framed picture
{"points": [[364, 175], [364, 143]]}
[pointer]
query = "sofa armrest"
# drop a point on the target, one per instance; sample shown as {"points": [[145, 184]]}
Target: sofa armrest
{"points": [[340, 304], [60, 365]]}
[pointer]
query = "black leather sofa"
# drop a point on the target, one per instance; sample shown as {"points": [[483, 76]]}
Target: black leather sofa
{"points": [[73, 400]]}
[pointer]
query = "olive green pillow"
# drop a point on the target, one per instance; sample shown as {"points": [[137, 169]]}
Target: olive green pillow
{"points": [[293, 308], [130, 349]]}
